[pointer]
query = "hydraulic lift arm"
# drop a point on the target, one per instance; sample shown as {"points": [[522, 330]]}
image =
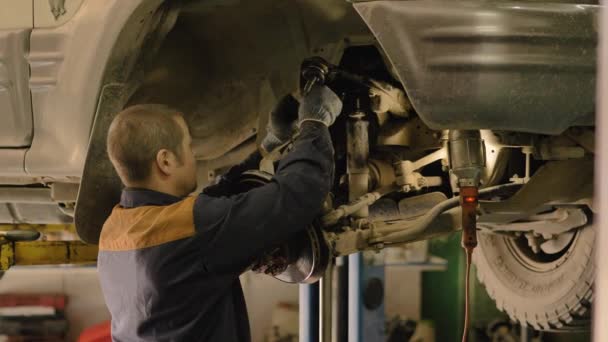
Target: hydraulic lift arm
{"points": [[20, 248]]}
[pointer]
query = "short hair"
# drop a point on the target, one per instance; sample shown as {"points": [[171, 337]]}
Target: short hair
{"points": [[137, 134]]}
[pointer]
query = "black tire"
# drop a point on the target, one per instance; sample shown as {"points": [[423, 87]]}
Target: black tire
{"points": [[546, 292]]}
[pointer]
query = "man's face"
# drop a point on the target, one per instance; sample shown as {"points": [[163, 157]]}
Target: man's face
{"points": [[186, 172]]}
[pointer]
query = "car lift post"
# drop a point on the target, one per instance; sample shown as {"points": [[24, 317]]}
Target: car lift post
{"points": [[309, 312]]}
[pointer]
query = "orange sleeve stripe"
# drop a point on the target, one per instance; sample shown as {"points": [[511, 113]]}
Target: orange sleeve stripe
{"points": [[147, 226]]}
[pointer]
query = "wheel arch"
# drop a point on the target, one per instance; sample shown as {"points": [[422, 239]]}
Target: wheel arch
{"points": [[144, 25]]}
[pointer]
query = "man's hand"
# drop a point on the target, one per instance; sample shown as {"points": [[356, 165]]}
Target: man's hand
{"points": [[321, 104], [281, 124]]}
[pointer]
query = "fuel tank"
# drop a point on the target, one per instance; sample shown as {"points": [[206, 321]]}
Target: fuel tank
{"points": [[527, 66]]}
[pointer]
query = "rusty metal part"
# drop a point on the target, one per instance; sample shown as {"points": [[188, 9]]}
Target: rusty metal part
{"points": [[357, 159], [410, 180], [410, 132], [408, 177], [385, 98], [46, 253], [416, 206], [388, 99], [409, 208], [381, 174], [362, 202], [431, 158], [369, 236]]}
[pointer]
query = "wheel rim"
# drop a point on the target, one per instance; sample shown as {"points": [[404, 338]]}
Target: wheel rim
{"points": [[541, 261]]}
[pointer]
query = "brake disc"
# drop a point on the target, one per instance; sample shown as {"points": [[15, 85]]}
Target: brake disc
{"points": [[303, 258]]}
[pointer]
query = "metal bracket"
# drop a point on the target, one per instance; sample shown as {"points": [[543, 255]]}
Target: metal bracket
{"points": [[409, 179], [548, 225]]}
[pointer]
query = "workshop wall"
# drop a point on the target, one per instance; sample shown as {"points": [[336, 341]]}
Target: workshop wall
{"points": [[264, 294], [85, 304]]}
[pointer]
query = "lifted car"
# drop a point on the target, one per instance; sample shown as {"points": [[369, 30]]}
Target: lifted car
{"points": [[512, 80]]}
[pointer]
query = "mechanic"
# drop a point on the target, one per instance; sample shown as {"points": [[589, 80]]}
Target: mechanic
{"points": [[169, 263]]}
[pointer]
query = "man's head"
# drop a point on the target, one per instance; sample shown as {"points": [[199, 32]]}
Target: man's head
{"points": [[150, 147]]}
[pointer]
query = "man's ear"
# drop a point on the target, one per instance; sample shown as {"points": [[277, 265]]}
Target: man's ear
{"points": [[164, 162]]}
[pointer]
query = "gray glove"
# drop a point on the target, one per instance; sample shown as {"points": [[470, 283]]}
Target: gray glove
{"points": [[321, 104], [281, 123]]}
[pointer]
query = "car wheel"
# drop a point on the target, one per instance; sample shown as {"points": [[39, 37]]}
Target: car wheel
{"points": [[550, 289]]}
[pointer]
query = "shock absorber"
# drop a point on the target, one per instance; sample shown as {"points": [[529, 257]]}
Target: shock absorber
{"points": [[358, 154], [467, 159]]}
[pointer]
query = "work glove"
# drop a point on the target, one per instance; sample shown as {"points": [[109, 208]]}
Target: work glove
{"points": [[281, 123], [321, 104]]}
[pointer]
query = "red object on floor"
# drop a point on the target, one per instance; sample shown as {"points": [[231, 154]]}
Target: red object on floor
{"points": [[97, 333], [56, 301]]}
